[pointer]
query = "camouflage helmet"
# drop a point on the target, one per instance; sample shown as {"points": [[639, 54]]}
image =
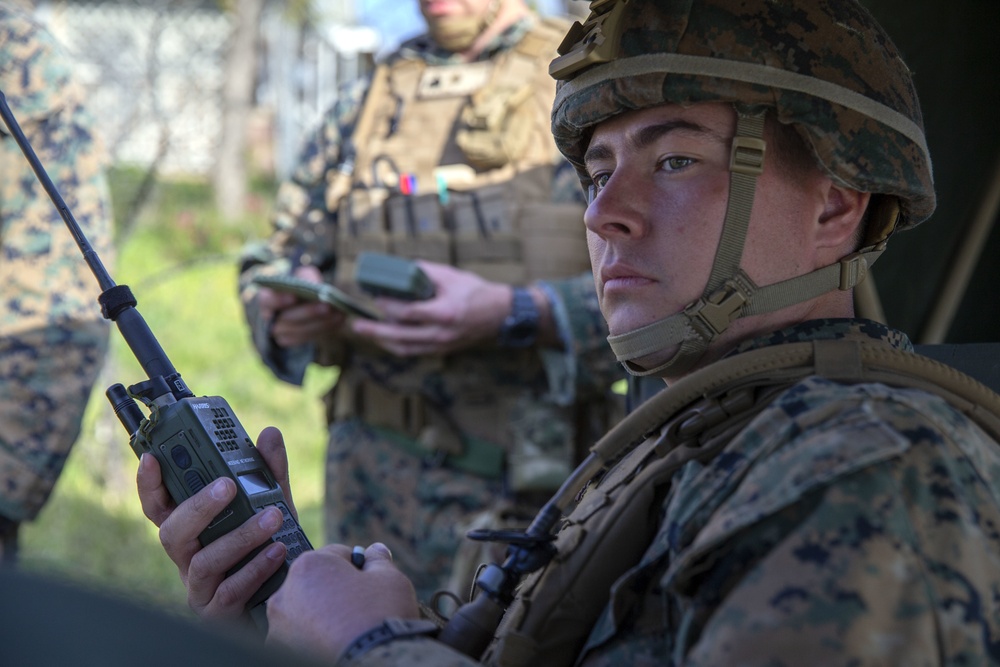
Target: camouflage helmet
{"points": [[824, 67]]}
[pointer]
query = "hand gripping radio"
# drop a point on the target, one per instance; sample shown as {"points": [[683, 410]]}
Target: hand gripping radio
{"points": [[196, 439]]}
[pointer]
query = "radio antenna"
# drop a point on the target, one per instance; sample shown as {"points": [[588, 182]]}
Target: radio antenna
{"points": [[117, 302]]}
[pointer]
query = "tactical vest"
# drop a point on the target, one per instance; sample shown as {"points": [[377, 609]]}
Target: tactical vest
{"points": [[453, 164], [615, 521]]}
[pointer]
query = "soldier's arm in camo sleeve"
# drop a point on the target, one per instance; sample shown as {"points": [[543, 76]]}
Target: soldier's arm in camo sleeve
{"points": [[304, 233], [410, 652], [52, 336], [858, 534]]}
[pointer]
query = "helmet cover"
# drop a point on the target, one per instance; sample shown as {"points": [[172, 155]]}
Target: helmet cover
{"points": [[824, 66]]}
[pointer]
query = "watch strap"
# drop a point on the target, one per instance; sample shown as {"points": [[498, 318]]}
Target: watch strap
{"points": [[390, 630], [520, 328]]}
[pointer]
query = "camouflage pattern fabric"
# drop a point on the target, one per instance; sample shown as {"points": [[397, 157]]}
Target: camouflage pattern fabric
{"points": [[52, 336], [825, 66], [380, 483], [845, 524], [421, 508]]}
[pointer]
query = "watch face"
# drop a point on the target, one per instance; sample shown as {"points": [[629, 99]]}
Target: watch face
{"points": [[522, 328], [520, 332]]}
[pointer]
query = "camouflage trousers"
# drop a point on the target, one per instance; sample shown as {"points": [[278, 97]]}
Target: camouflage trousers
{"points": [[378, 492], [46, 376]]}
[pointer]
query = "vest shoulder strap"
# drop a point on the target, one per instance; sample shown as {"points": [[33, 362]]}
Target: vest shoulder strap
{"points": [[544, 38], [845, 360]]}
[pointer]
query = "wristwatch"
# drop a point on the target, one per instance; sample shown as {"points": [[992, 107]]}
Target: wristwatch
{"points": [[390, 630], [520, 328]]}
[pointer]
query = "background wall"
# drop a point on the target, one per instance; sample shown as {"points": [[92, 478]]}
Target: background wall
{"points": [[952, 49]]}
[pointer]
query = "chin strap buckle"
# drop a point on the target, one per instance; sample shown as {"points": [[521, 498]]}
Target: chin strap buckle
{"points": [[712, 315]]}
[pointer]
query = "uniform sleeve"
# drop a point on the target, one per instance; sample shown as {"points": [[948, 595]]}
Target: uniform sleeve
{"points": [[304, 231], [411, 652], [867, 537], [840, 586], [821, 583], [886, 565]]}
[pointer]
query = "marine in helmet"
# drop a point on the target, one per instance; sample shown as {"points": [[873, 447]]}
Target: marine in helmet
{"points": [[806, 489]]}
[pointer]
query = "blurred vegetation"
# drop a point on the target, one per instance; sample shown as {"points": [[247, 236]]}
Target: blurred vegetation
{"points": [[179, 257]]}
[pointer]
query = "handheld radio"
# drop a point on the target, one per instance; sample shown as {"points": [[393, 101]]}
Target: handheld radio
{"points": [[195, 439]]}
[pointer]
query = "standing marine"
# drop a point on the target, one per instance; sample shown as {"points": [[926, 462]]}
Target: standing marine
{"points": [[52, 336], [444, 155]]}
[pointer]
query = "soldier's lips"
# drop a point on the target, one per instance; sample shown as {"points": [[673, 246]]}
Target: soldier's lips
{"points": [[618, 277], [626, 283]]}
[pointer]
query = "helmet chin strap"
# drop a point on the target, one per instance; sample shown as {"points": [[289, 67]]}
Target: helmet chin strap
{"points": [[730, 293]]}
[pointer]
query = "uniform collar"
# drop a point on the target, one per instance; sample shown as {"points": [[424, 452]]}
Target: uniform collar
{"points": [[829, 329]]}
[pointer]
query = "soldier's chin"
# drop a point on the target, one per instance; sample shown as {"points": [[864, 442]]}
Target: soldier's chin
{"points": [[455, 33]]}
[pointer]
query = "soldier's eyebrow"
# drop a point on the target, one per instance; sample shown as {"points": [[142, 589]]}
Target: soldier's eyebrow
{"points": [[649, 134]]}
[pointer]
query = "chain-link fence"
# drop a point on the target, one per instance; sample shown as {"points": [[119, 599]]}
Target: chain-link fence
{"points": [[154, 71]]}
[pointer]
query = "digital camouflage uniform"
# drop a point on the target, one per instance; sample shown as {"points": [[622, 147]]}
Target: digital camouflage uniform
{"points": [[845, 524], [521, 415], [52, 336], [821, 495]]}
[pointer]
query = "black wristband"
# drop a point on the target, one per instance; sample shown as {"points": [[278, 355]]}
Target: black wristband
{"points": [[520, 328], [390, 629]]}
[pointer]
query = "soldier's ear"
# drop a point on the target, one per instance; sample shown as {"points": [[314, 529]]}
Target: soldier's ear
{"points": [[842, 213]]}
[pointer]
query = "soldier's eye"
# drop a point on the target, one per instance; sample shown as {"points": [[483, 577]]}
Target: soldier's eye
{"points": [[676, 163], [596, 185]]}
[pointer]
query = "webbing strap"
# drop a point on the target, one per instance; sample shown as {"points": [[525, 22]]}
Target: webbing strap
{"points": [[794, 361], [650, 338], [690, 327], [845, 275], [364, 127], [691, 349], [746, 163]]}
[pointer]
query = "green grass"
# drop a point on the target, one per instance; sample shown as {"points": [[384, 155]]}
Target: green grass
{"points": [[180, 261]]}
